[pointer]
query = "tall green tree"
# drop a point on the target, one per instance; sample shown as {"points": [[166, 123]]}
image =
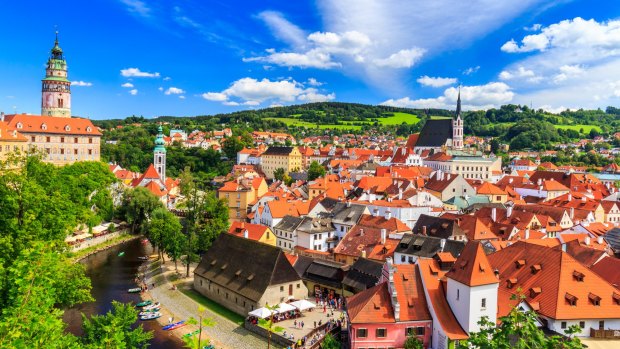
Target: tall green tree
{"points": [[114, 329], [232, 145], [139, 203], [329, 342], [412, 342], [162, 226], [196, 342], [279, 173], [315, 170]]}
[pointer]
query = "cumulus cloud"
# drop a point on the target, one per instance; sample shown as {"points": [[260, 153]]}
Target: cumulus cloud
{"points": [[311, 59], [174, 91], [520, 73], [314, 82], [81, 83], [435, 82], [535, 27], [181, 97], [137, 73], [486, 96], [253, 92], [401, 59], [127, 85], [133, 92], [471, 70]]}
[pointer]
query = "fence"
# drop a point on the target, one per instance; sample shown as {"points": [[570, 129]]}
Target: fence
{"points": [[606, 334]]}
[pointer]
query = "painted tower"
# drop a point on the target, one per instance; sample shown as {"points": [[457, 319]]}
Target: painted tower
{"points": [[56, 89], [457, 126], [159, 155]]}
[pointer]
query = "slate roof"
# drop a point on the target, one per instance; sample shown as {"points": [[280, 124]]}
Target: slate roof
{"points": [[325, 273], [226, 264], [289, 223], [279, 151], [435, 133], [437, 227], [613, 239], [428, 246], [363, 274], [341, 214]]}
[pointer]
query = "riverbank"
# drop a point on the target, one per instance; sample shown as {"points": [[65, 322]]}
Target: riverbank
{"points": [[106, 244], [176, 304]]}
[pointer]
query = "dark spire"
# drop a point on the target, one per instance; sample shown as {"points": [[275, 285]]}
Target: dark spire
{"points": [[56, 50], [458, 104]]}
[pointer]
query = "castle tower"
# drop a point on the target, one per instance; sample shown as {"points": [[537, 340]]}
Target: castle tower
{"points": [[159, 155], [457, 127], [56, 88]]}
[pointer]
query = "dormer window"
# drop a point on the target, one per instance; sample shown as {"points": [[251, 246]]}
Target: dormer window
{"points": [[44, 127], [594, 299], [572, 300], [89, 129], [535, 268], [19, 125], [535, 291], [511, 282], [67, 128], [520, 263], [578, 276]]}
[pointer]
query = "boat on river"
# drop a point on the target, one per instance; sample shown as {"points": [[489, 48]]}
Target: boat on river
{"points": [[152, 306], [173, 326], [120, 254], [144, 303], [190, 334], [134, 290], [144, 313], [143, 258], [150, 316]]}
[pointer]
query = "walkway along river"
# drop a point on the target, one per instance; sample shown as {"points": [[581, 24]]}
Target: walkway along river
{"points": [[111, 276]]}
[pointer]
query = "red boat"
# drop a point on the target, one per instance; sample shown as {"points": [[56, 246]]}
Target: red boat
{"points": [[144, 241], [175, 326]]}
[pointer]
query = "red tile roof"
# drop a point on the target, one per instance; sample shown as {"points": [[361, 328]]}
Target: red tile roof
{"points": [[472, 268], [255, 231], [54, 125]]}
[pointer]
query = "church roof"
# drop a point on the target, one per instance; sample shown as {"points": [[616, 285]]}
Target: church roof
{"points": [[435, 133]]}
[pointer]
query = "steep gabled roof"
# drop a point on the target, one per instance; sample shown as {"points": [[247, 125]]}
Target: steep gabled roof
{"points": [[435, 133], [472, 268]]}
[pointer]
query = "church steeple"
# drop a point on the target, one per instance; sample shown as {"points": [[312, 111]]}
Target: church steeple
{"points": [[56, 88], [457, 126], [458, 104], [159, 155]]}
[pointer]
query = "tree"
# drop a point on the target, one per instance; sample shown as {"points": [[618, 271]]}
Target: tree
{"points": [[494, 146], [329, 342], [315, 170], [232, 145], [412, 342], [139, 203], [114, 329], [269, 325], [163, 227], [519, 330], [279, 173], [196, 342]]}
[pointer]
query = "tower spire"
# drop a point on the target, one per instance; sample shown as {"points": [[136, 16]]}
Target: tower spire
{"points": [[458, 104]]}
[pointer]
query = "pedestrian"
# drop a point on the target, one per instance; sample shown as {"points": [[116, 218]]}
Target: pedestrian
{"points": [[315, 324], [302, 325], [295, 323], [169, 320], [153, 285], [324, 308]]}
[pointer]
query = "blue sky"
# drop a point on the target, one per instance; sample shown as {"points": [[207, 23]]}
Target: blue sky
{"points": [[203, 57]]}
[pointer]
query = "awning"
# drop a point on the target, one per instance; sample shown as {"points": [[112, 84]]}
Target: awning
{"points": [[284, 307], [260, 313], [303, 305]]}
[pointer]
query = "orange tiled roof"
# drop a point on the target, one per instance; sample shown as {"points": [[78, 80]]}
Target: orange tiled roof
{"points": [[488, 188], [154, 188], [54, 125], [10, 134], [472, 268], [255, 231]]}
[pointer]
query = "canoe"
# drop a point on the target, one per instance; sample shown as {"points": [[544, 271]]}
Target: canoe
{"points": [[191, 334], [144, 313], [150, 316], [210, 346], [121, 254], [177, 326], [143, 258], [144, 304], [152, 306], [134, 290], [144, 241], [167, 327]]}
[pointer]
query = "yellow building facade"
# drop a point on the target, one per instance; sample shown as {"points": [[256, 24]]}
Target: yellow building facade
{"points": [[288, 158]]}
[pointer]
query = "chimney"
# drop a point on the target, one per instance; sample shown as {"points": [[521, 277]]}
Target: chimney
{"points": [[348, 203], [245, 234], [361, 232], [564, 247], [1, 116], [447, 176], [539, 181], [388, 215], [442, 244], [400, 193], [424, 230], [494, 214], [570, 197], [363, 253], [572, 213], [383, 236], [527, 233], [586, 241], [375, 212], [599, 240], [508, 211], [509, 180]]}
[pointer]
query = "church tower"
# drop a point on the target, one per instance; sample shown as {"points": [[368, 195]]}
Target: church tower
{"points": [[56, 89], [159, 155], [457, 126]]}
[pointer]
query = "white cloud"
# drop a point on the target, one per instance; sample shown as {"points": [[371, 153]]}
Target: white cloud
{"points": [[167, 78], [137, 73], [486, 96], [127, 85], [471, 70], [435, 82], [575, 33], [401, 59], [520, 73], [535, 27], [181, 97], [137, 7], [174, 91], [349, 42], [567, 72], [81, 83], [311, 59], [133, 92], [215, 96], [314, 82], [253, 92], [283, 29], [160, 88]]}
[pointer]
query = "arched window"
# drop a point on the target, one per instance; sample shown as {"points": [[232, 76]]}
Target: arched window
{"points": [[44, 126]]}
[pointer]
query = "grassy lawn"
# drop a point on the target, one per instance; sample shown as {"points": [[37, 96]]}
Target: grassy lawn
{"points": [[399, 118], [214, 307], [586, 128]]}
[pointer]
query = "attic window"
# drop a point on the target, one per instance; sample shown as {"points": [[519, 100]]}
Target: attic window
{"points": [[535, 291], [238, 272], [404, 277], [535, 268], [213, 262], [410, 302], [511, 282], [44, 126], [481, 267], [250, 277], [572, 300], [19, 125], [596, 300], [224, 266], [377, 307], [434, 271], [463, 264], [616, 297], [88, 129], [578, 276], [520, 263], [67, 128]]}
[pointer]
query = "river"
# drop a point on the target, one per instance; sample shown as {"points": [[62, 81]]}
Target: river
{"points": [[111, 276]]}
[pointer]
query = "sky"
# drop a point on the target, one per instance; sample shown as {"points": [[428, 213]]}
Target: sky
{"points": [[191, 57]]}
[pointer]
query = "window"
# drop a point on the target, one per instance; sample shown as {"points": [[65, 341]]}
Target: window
{"points": [[281, 288], [298, 285], [62, 139], [362, 333], [75, 151], [582, 324], [90, 152], [483, 304], [420, 330], [33, 139], [410, 331], [563, 324], [458, 294], [75, 140], [381, 332], [601, 325], [90, 140], [62, 151], [48, 139]]}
